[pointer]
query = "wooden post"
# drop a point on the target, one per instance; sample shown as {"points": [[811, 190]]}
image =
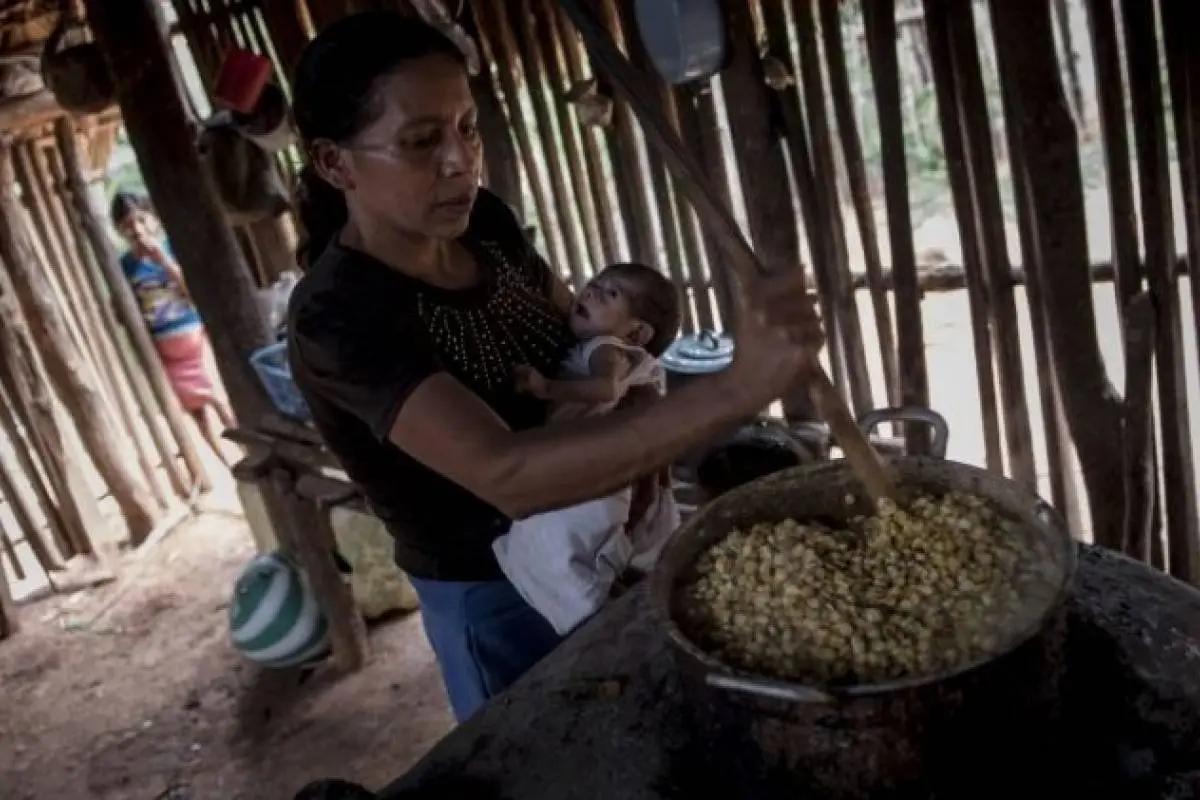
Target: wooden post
{"points": [[67, 369], [25, 386], [628, 163], [39, 477], [879, 21], [978, 296], [96, 319], [517, 30], [1044, 141], [501, 162], [754, 121], [91, 219], [1158, 239], [824, 171], [23, 515], [496, 42], [856, 171], [314, 552], [133, 37], [9, 625]]}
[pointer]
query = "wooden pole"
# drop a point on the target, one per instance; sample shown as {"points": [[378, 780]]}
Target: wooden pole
{"points": [[76, 383], [629, 164], [520, 34], [1158, 238], [111, 365], [502, 163], [133, 37], [10, 489], [627, 80], [879, 21], [496, 42], [126, 307], [9, 624], [746, 78], [547, 50], [824, 168], [37, 475], [47, 245], [107, 281], [1044, 134], [26, 386], [568, 45], [978, 294], [856, 171]]}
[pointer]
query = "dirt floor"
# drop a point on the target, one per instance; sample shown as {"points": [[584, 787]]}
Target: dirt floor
{"points": [[149, 701]]}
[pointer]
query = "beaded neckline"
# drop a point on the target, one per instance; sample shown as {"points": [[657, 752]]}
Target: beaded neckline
{"points": [[508, 321]]}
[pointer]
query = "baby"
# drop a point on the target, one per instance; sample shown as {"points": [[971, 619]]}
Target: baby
{"points": [[566, 562]]}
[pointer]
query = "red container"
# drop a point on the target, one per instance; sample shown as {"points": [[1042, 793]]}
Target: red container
{"points": [[240, 80]]}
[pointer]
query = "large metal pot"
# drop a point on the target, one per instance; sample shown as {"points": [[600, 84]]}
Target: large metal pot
{"points": [[902, 738]]}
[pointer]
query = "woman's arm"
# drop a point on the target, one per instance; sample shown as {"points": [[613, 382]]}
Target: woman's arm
{"points": [[450, 430]]}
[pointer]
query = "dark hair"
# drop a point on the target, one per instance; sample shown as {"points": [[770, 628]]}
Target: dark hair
{"points": [[655, 302], [125, 203], [333, 97]]}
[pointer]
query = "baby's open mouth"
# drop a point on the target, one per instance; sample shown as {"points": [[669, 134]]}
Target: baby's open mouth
{"points": [[582, 311]]}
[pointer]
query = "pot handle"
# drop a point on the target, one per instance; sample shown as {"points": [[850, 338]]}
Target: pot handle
{"points": [[762, 687], [941, 429]]}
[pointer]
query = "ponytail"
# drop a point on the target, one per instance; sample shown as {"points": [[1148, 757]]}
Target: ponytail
{"points": [[323, 214]]}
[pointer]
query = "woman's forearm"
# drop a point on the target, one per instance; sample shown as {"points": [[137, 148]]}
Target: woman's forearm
{"points": [[578, 460]]}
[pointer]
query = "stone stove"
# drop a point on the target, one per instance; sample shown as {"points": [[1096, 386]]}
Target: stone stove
{"points": [[604, 716]]}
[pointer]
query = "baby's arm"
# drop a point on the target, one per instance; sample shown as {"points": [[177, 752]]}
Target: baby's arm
{"points": [[609, 367]]}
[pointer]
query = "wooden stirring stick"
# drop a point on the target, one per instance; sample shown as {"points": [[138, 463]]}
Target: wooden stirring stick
{"points": [[628, 82]]}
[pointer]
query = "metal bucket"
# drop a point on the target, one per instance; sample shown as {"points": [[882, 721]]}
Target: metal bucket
{"points": [[872, 739]]}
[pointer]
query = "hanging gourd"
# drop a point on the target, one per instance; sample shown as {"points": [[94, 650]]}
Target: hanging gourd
{"points": [[75, 70], [685, 39]]}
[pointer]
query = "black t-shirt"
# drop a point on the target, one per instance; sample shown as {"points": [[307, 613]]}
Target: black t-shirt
{"points": [[363, 336]]}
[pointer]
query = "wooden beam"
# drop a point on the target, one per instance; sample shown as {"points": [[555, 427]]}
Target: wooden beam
{"points": [[132, 36], [690, 176]]}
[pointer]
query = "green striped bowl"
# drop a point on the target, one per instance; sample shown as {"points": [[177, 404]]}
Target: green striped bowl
{"points": [[274, 618]]}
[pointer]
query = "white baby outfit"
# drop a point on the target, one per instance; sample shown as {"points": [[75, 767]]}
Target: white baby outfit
{"points": [[565, 562]]}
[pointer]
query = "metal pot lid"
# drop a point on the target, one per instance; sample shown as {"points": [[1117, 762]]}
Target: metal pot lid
{"points": [[699, 354]]}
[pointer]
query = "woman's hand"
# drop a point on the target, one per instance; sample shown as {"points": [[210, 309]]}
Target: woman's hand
{"points": [[778, 336]]}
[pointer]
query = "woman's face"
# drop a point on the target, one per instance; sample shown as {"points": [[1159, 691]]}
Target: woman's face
{"points": [[417, 166], [139, 229]]}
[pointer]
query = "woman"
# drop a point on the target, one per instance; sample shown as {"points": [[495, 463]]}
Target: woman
{"points": [[422, 299], [157, 282]]}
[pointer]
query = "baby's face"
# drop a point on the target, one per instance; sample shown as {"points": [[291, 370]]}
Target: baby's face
{"points": [[603, 308]]}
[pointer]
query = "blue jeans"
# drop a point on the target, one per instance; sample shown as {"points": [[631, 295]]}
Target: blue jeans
{"points": [[483, 635]]}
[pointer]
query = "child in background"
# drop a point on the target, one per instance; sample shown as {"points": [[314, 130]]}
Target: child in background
{"points": [[566, 562]]}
